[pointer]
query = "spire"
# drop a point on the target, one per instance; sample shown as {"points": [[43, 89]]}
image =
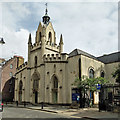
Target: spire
{"points": [[46, 18], [30, 39], [61, 39], [61, 44]]}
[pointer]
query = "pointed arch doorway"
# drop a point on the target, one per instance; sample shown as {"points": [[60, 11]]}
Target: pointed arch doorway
{"points": [[36, 96], [54, 89], [36, 78]]}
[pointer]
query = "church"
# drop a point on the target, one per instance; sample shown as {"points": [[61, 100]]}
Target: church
{"points": [[49, 73]]}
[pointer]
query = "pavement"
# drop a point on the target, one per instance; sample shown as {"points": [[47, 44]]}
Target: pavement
{"points": [[88, 113]]}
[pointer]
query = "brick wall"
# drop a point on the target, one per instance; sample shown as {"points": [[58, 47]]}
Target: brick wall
{"points": [[8, 72]]}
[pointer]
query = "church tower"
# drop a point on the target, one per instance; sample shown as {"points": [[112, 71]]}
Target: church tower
{"points": [[45, 38]]}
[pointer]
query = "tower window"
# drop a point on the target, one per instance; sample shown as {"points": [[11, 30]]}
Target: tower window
{"points": [[55, 83], [50, 37], [40, 36], [91, 73], [35, 61]]}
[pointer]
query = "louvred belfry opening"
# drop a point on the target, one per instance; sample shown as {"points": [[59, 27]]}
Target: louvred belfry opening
{"points": [[46, 18]]}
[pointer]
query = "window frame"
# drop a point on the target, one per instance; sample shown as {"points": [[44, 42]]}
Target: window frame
{"points": [[10, 74], [11, 66], [91, 73]]}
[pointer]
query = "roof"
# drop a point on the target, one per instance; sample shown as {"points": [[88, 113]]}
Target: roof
{"points": [[2, 59], [80, 52], [110, 58]]}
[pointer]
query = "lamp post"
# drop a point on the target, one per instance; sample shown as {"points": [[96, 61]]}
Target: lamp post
{"points": [[1, 42]]}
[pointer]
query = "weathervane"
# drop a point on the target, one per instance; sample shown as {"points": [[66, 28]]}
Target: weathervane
{"points": [[46, 8], [46, 5]]}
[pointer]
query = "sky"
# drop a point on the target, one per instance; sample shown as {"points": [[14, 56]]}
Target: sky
{"points": [[88, 26]]}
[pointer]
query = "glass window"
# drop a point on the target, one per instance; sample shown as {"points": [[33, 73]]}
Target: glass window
{"points": [[35, 84], [55, 82], [91, 73], [50, 37], [40, 36], [102, 74], [11, 66], [11, 74]]}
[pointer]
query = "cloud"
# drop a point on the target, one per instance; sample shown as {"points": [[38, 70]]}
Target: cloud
{"points": [[87, 26], [16, 42]]}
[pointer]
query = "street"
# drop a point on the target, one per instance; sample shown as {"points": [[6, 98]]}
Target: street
{"points": [[20, 113], [12, 112]]}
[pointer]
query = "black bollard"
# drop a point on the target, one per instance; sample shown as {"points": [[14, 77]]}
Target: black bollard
{"points": [[42, 105], [16, 103]]}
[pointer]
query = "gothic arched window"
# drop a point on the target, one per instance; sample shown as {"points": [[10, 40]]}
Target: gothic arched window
{"points": [[35, 85], [91, 73], [50, 37], [40, 36], [55, 82], [35, 61], [102, 74]]}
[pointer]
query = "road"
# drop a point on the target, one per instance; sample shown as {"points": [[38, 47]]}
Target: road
{"points": [[23, 113], [13, 112]]}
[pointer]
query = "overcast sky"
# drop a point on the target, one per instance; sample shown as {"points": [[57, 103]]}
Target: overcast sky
{"points": [[88, 26]]}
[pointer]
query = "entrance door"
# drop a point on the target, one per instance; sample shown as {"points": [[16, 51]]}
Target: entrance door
{"points": [[36, 97], [55, 95]]}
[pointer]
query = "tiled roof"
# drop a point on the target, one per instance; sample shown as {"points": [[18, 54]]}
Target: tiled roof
{"points": [[110, 58], [80, 52]]}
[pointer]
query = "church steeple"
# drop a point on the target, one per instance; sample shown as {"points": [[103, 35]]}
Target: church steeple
{"points": [[46, 18], [30, 39], [61, 44]]}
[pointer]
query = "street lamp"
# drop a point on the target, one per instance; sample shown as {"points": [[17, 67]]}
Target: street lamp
{"points": [[2, 41]]}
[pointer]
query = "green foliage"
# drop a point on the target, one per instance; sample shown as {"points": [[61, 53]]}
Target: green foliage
{"points": [[89, 83], [116, 74]]}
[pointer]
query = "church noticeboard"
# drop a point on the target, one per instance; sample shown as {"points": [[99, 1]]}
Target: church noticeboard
{"points": [[75, 96]]}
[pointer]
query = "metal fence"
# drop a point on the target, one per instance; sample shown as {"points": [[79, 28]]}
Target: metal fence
{"points": [[109, 97]]}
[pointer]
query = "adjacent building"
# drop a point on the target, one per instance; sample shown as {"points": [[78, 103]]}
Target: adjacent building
{"points": [[8, 77], [49, 74]]}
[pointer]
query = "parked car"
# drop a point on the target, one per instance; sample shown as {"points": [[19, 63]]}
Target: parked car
{"points": [[1, 106]]}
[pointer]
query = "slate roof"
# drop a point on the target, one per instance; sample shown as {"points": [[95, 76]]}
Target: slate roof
{"points": [[80, 52], [110, 58]]}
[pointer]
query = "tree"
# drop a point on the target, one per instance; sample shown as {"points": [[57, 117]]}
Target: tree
{"points": [[89, 84], [116, 74]]}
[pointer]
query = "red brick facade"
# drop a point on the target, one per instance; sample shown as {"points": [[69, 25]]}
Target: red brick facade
{"points": [[8, 77]]}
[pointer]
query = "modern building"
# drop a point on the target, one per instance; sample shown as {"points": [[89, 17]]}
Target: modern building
{"points": [[49, 74], [8, 77]]}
